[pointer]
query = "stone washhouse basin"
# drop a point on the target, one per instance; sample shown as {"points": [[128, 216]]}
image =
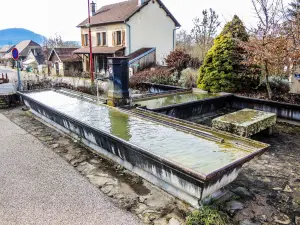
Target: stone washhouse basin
{"points": [[190, 166]]}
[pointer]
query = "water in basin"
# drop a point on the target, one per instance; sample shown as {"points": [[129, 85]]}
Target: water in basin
{"points": [[174, 99], [196, 153]]}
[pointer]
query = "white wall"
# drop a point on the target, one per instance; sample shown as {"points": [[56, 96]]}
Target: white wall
{"points": [[151, 27]]}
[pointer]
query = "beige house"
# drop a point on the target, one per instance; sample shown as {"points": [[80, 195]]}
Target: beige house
{"points": [[124, 28], [295, 81], [62, 62]]}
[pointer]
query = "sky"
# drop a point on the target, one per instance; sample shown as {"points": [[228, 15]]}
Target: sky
{"points": [[47, 17]]}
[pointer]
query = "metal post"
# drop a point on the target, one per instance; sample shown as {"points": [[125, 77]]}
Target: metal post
{"points": [[19, 77], [90, 42], [97, 90]]}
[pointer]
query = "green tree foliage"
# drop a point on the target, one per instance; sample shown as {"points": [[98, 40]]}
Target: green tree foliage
{"points": [[216, 74], [237, 29], [223, 69]]}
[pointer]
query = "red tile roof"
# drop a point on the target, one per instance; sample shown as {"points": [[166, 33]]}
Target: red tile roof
{"points": [[120, 12], [138, 53], [65, 54]]}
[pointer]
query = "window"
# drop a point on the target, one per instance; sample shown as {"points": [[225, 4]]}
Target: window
{"points": [[104, 40], [99, 39], [119, 37], [86, 40]]}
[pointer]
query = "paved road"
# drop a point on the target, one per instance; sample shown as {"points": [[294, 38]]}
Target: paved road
{"points": [[4, 70], [39, 187], [12, 75]]}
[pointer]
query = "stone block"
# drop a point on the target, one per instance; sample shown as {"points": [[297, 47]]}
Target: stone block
{"points": [[246, 122]]}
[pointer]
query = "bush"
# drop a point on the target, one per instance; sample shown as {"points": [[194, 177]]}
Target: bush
{"points": [[278, 85], [178, 59], [188, 78], [208, 216], [223, 69], [195, 63], [216, 74], [158, 76]]}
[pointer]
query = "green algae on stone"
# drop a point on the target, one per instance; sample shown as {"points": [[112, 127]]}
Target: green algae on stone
{"points": [[241, 117], [245, 122]]}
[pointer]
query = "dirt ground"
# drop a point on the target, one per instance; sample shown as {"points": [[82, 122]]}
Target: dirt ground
{"points": [[269, 186], [266, 192]]}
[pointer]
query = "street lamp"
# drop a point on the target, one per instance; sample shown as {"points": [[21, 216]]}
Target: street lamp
{"points": [[90, 42]]}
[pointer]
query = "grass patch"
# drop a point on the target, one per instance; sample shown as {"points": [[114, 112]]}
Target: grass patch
{"points": [[208, 216]]}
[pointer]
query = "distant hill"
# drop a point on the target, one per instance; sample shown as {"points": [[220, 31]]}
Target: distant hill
{"points": [[13, 36]]}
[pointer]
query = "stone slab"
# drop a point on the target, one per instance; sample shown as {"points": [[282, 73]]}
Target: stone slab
{"points": [[246, 122]]}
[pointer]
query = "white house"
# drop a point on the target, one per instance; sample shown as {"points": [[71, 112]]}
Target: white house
{"points": [[36, 59], [124, 28]]}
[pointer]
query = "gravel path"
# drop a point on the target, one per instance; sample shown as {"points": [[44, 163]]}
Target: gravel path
{"points": [[39, 187]]}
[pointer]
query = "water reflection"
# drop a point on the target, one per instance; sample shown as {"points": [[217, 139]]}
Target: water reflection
{"points": [[174, 99], [119, 125]]}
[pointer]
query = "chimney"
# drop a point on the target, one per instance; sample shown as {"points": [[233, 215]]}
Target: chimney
{"points": [[93, 8], [141, 2]]}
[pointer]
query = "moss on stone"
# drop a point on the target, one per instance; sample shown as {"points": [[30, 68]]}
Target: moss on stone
{"points": [[245, 122], [208, 216], [241, 116]]}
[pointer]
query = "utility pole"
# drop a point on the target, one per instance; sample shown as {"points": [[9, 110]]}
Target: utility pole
{"points": [[91, 47], [19, 76]]}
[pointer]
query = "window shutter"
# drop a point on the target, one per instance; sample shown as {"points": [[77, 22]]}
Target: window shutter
{"points": [[113, 38], [82, 40], [123, 37]]}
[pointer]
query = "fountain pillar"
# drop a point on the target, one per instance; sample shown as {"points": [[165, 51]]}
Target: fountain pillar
{"points": [[118, 94]]}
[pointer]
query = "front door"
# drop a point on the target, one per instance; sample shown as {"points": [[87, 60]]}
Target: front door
{"points": [[57, 68]]}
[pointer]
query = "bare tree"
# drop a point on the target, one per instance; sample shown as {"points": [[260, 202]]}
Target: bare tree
{"points": [[184, 40], [53, 42], [264, 37], [291, 27], [57, 42], [205, 30], [274, 44]]}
